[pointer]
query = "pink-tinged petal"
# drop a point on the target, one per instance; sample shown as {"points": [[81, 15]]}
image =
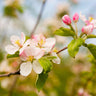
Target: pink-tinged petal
{"points": [[31, 51], [87, 22], [39, 53], [50, 43], [14, 39], [23, 55], [66, 19], [36, 52], [57, 60], [26, 44], [37, 67], [88, 29], [22, 38], [11, 49], [28, 51], [25, 68], [76, 17], [38, 37]]}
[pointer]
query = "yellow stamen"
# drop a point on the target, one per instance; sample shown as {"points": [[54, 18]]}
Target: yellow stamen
{"points": [[41, 42], [17, 42], [90, 19], [55, 50], [30, 58]]}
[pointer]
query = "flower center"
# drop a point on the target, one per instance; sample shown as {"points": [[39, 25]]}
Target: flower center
{"points": [[55, 50], [18, 42], [30, 58], [41, 42], [90, 19]]}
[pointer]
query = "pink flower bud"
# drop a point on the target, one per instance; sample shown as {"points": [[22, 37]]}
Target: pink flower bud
{"points": [[66, 19], [88, 29], [75, 17]]}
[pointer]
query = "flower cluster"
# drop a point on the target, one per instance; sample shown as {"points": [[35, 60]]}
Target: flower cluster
{"points": [[31, 50], [89, 24]]}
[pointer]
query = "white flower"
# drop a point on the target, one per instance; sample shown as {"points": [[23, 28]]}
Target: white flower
{"points": [[54, 53], [17, 43], [89, 21], [82, 17], [43, 43], [28, 55], [57, 60]]}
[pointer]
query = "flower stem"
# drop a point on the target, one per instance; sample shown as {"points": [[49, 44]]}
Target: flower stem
{"points": [[76, 30]]}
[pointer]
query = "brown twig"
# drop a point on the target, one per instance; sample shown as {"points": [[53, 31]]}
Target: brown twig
{"points": [[9, 74], [39, 17], [62, 50], [18, 72]]}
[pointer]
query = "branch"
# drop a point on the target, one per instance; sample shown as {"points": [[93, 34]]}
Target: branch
{"points": [[62, 50], [18, 72], [9, 74], [39, 17]]}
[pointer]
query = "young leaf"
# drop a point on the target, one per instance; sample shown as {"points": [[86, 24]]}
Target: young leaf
{"points": [[46, 64], [92, 49], [64, 32], [73, 47], [41, 80], [13, 55]]}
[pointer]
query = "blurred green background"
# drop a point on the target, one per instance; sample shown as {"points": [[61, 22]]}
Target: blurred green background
{"points": [[65, 79]]}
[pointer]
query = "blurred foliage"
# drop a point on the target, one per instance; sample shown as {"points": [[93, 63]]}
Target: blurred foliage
{"points": [[12, 9], [1, 55], [64, 79]]}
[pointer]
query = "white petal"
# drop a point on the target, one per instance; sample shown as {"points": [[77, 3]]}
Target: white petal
{"points": [[82, 17], [37, 67], [34, 51], [57, 60], [23, 55], [14, 39], [22, 38], [50, 43], [38, 53], [11, 49], [94, 23], [25, 68]]}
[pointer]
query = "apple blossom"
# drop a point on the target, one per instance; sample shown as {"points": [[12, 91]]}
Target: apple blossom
{"points": [[57, 60], [75, 17], [45, 44], [30, 56], [88, 29], [54, 53], [66, 19], [17, 43], [90, 21]]}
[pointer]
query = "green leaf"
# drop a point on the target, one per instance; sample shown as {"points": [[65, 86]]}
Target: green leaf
{"points": [[64, 32], [10, 11], [91, 36], [92, 49], [73, 47], [20, 9], [46, 64], [41, 80], [13, 55]]}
